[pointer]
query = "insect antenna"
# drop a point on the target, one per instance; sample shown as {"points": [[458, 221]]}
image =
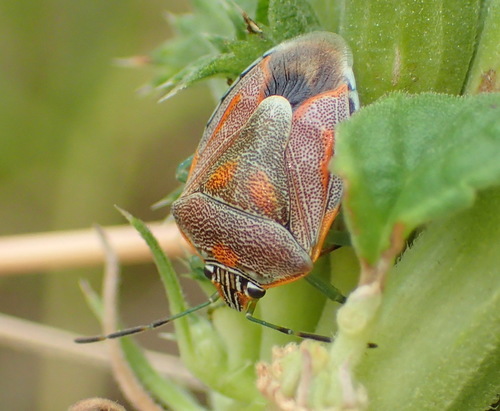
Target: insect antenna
{"points": [[141, 328]]}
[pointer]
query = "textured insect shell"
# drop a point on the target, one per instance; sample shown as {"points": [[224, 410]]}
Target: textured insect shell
{"points": [[274, 236], [230, 218], [324, 59]]}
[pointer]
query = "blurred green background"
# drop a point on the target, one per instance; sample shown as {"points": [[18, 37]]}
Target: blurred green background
{"points": [[75, 139]]}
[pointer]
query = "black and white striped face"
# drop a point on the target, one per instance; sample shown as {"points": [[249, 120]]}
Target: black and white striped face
{"points": [[233, 286]]}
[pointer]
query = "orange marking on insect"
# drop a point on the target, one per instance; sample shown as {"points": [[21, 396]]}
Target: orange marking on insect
{"points": [[339, 91], [328, 137], [193, 165], [325, 227], [230, 108], [221, 176], [285, 280], [343, 89], [225, 255], [262, 193], [264, 66]]}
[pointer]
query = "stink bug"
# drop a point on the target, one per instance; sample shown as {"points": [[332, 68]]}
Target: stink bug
{"points": [[259, 198]]}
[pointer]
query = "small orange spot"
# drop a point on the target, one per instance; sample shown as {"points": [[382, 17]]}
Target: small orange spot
{"points": [[230, 108], [263, 193], [225, 255], [221, 176]]}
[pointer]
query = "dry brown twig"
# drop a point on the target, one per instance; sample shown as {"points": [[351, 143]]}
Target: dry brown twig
{"points": [[40, 252], [57, 250]]}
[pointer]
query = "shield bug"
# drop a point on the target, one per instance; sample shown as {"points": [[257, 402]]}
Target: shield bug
{"points": [[259, 199]]}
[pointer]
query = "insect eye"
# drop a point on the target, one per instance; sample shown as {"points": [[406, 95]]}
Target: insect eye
{"points": [[254, 291], [208, 270]]}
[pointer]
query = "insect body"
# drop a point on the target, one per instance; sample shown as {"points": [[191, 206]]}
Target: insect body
{"points": [[259, 199]]}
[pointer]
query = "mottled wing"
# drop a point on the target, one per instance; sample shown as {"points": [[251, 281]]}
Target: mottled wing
{"points": [[250, 175], [233, 112], [315, 194]]}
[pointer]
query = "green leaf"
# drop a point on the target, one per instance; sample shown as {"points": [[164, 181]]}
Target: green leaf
{"points": [[329, 13], [211, 17], [290, 18], [409, 159], [409, 45], [240, 54], [181, 175], [221, 355], [195, 37], [203, 68], [438, 330], [164, 390], [213, 41], [262, 12], [189, 328], [176, 298], [484, 74], [168, 199]]}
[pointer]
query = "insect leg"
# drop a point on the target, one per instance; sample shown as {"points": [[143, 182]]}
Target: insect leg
{"points": [[325, 288], [284, 330]]}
